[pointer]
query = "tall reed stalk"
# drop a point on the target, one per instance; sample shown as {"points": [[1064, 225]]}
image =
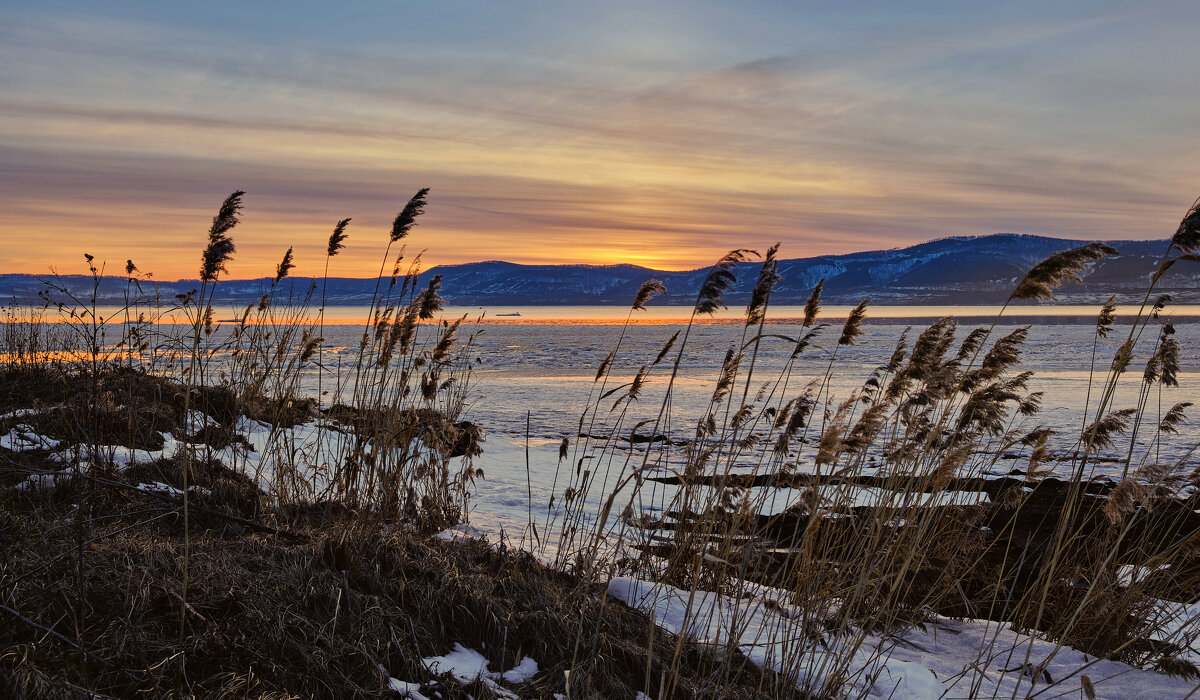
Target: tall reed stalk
{"points": [[862, 553]]}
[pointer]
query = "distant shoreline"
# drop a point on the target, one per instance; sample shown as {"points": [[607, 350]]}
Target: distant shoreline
{"points": [[784, 315]]}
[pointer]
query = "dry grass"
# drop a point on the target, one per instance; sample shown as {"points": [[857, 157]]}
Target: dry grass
{"points": [[1043, 554], [232, 585], [314, 613], [305, 583]]}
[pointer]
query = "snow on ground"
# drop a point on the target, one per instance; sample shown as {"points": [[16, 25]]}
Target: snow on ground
{"points": [[18, 413], [522, 672], [168, 490], [406, 689], [977, 658], [1179, 623], [468, 666], [198, 420], [24, 438], [462, 531], [39, 481], [776, 500], [265, 451], [943, 658]]}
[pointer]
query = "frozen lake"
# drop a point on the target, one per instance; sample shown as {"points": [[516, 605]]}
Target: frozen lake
{"points": [[541, 366], [533, 371]]}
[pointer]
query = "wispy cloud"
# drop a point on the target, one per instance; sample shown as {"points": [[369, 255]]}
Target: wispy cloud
{"points": [[596, 134]]}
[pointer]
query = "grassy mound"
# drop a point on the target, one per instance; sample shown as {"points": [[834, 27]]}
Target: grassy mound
{"points": [[316, 600], [316, 612]]}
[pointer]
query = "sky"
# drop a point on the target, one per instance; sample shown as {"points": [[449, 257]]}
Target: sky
{"points": [[655, 133]]}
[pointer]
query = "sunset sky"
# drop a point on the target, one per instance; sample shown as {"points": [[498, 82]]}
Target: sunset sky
{"points": [[656, 133]]}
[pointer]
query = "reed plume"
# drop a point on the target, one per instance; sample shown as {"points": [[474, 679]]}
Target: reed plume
{"points": [[396, 273], [285, 266], [862, 435], [932, 344], [986, 408], [728, 374], [898, 353], [926, 363], [666, 348], [635, 388], [1107, 317], [648, 290], [405, 327], [1037, 439], [796, 413], [1174, 417], [429, 301], [1159, 304], [407, 218], [806, 340], [449, 336], [1058, 269], [829, 447], [719, 280], [337, 239], [309, 342], [972, 343], [1104, 429], [1123, 357], [756, 311], [1166, 357], [1123, 500], [604, 364], [1005, 353], [853, 326], [1187, 236], [220, 247], [813, 305]]}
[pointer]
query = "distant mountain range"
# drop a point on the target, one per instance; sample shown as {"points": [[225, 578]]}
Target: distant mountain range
{"points": [[960, 270]]}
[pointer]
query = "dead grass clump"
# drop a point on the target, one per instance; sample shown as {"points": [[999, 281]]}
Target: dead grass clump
{"points": [[876, 540], [315, 615], [432, 427], [119, 405]]}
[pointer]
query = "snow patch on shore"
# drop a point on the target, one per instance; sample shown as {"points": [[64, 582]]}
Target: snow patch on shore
{"points": [[24, 438], [941, 658], [468, 666]]}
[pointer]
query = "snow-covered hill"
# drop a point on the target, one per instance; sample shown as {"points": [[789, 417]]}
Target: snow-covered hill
{"points": [[960, 270]]}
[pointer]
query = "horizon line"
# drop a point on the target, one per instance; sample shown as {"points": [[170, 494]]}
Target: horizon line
{"points": [[149, 276]]}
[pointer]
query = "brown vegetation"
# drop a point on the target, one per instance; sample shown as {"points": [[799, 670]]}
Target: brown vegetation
{"points": [[190, 576]]}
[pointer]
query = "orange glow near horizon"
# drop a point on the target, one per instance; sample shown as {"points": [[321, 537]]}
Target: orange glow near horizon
{"points": [[553, 134], [361, 258]]}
